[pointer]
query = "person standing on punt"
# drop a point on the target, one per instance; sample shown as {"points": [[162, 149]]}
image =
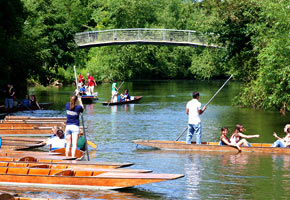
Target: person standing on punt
{"points": [[283, 142], [10, 95], [72, 129], [224, 140], [91, 83], [236, 138], [80, 80], [193, 110]]}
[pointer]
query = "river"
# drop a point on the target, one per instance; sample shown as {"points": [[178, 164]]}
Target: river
{"points": [[160, 115]]}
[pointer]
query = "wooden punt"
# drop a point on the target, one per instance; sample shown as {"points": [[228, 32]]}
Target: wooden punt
{"points": [[46, 131], [88, 167], [16, 109], [28, 125], [34, 118], [78, 179], [68, 163], [136, 98], [89, 98], [211, 146]]}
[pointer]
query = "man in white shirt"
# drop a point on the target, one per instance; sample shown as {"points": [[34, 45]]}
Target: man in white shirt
{"points": [[193, 110]]}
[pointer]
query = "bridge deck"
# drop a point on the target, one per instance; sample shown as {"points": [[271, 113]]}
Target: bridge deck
{"points": [[141, 36]]}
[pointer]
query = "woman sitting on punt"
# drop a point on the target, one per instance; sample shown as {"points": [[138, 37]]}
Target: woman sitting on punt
{"points": [[34, 102], [224, 140], [283, 142], [236, 138]]}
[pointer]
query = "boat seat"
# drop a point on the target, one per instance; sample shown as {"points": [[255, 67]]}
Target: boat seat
{"points": [[28, 159], [16, 170], [40, 166], [66, 172]]}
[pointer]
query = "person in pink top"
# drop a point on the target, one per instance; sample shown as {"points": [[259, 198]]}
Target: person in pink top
{"points": [[91, 84]]}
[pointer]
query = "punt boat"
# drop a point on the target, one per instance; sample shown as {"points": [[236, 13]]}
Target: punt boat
{"points": [[88, 99], [63, 164], [16, 109], [210, 146], [78, 179], [44, 131], [34, 118], [136, 98]]}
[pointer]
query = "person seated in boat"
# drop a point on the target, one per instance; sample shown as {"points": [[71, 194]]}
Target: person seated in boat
{"points": [[224, 140], [26, 103], [283, 142], [81, 145], [34, 102], [83, 89], [56, 142], [236, 138], [125, 96]]}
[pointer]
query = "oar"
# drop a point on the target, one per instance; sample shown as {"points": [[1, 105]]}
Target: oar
{"points": [[93, 145], [207, 103]]}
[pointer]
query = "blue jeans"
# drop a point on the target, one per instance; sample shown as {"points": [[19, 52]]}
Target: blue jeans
{"points": [[194, 129], [8, 103], [278, 143]]}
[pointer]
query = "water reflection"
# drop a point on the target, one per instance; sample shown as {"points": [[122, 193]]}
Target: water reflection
{"points": [[129, 193], [122, 108]]}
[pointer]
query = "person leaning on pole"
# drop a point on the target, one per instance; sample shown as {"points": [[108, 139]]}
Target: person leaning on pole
{"points": [[193, 110]]}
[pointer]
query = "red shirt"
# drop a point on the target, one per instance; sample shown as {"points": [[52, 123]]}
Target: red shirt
{"points": [[80, 78], [91, 81]]}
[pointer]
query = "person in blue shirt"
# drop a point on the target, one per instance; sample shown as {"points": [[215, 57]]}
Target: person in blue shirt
{"points": [[26, 103], [72, 130], [126, 96]]}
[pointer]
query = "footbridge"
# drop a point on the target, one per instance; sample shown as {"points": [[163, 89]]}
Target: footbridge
{"points": [[141, 36]]}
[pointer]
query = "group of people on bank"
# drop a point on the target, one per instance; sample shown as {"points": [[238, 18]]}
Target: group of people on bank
{"points": [[237, 139], [11, 100]]}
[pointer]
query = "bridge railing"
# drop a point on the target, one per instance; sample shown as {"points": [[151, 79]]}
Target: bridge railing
{"points": [[95, 38]]}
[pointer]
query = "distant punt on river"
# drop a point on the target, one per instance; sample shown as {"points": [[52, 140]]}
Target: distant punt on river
{"points": [[211, 146], [110, 103], [16, 109]]}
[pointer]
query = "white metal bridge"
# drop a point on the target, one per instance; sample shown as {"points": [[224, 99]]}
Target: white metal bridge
{"points": [[141, 36]]}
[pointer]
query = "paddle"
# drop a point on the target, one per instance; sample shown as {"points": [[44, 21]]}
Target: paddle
{"points": [[208, 103], [93, 145]]}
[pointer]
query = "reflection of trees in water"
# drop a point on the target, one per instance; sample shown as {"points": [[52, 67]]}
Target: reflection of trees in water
{"points": [[130, 193]]}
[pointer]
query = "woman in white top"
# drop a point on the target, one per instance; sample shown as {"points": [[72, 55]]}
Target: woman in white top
{"points": [[283, 142], [236, 138], [56, 142]]}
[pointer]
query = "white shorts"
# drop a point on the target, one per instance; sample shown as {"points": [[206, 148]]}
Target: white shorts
{"points": [[72, 129]]}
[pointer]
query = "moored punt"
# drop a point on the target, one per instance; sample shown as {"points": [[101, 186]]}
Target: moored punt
{"points": [[68, 163], [26, 131], [58, 166], [211, 146], [31, 124], [79, 179], [34, 118], [16, 109], [136, 98], [89, 98]]}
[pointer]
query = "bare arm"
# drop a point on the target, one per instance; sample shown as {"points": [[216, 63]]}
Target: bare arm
{"points": [[202, 110], [276, 136], [187, 111], [228, 143], [248, 136]]}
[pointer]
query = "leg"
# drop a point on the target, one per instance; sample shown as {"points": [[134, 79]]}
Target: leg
{"points": [[10, 103], [74, 144], [6, 102], [242, 142], [68, 144], [197, 132], [278, 143], [190, 131]]}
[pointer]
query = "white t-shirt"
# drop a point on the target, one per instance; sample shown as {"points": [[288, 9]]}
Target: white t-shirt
{"points": [[193, 117], [56, 142]]}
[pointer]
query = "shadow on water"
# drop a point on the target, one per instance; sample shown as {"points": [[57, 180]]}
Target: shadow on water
{"points": [[127, 193]]}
